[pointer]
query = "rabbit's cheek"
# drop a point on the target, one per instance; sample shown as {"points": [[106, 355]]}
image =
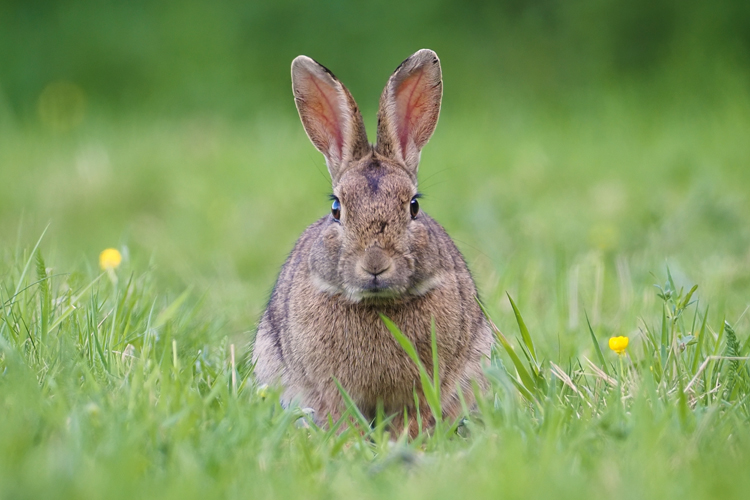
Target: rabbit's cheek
{"points": [[419, 235], [324, 260], [422, 287], [419, 246], [410, 263]]}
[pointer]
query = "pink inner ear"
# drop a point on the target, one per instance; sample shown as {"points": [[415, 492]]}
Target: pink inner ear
{"points": [[410, 97], [325, 115]]}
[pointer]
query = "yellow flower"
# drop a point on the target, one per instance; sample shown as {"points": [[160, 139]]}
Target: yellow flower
{"points": [[618, 344], [262, 391], [109, 259]]}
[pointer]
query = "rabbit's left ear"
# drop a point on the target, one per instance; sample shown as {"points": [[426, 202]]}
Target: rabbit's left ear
{"points": [[409, 108]]}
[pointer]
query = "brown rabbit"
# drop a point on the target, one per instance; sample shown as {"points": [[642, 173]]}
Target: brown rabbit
{"points": [[375, 253]]}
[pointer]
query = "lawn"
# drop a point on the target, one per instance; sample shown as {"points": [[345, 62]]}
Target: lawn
{"points": [[134, 383], [594, 184]]}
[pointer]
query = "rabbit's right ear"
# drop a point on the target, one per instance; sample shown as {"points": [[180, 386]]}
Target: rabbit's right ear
{"points": [[329, 114]]}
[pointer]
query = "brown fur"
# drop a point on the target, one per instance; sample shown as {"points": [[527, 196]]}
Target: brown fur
{"points": [[323, 317]]}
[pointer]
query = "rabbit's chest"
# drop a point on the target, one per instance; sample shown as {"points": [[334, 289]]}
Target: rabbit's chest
{"points": [[356, 348], [361, 350]]}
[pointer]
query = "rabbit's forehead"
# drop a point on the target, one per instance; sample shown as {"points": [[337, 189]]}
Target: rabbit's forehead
{"points": [[375, 183]]}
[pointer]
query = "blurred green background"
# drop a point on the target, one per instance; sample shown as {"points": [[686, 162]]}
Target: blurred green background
{"points": [[583, 144]]}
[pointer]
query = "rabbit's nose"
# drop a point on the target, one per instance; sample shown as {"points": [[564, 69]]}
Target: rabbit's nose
{"points": [[376, 262], [375, 272]]}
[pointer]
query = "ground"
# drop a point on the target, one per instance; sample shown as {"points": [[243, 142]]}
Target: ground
{"points": [[134, 383]]}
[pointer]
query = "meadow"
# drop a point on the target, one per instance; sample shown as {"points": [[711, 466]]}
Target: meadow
{"points": [[597, 205]]}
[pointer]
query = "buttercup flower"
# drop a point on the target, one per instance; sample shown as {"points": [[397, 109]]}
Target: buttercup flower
{"points": [[262, 391], [618, 344], [109, 259]]}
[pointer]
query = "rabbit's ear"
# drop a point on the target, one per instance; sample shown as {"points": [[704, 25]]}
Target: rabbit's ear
{"points": [[329, 114], [409, 108]]}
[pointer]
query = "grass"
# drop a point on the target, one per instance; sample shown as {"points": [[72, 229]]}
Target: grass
{"points": [[134, 383], [111, 389]]}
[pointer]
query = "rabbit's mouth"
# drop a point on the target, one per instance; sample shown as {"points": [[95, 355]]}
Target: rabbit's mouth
{"points": [[379, 294], [378, 290], [377, 287], [375, 290]]}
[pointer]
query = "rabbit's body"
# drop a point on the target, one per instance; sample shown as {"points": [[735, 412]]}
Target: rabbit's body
{"points": [[373, 255]]}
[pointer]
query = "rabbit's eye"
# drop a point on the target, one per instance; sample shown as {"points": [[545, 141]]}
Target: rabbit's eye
{"points": [[336, 209], [414, 207]]}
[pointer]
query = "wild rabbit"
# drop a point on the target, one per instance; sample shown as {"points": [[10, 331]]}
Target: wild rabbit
{"points": [[375, 253]]}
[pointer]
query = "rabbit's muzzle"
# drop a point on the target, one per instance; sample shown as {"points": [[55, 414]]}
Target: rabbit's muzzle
{"points": [[375, 263], [377, 274]]}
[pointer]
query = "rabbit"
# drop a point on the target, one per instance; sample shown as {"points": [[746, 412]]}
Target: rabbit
{"points": [[375, 253]]}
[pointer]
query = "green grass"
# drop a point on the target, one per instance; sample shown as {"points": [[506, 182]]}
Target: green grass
{"points": [[112, 389], [128, 387]]}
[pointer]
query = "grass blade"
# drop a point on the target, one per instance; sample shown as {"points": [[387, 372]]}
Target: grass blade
{"points": [[525, 335], [435, 361], [352, 407], [597, 347], [523, 373], [171, 310], [431, 393]]}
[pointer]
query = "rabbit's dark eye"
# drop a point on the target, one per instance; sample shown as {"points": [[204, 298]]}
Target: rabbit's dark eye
{"points": [[336, 209], [414, 207]]}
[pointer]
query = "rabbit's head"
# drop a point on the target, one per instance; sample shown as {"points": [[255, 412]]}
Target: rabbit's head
{"points": [[376, 244]]}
